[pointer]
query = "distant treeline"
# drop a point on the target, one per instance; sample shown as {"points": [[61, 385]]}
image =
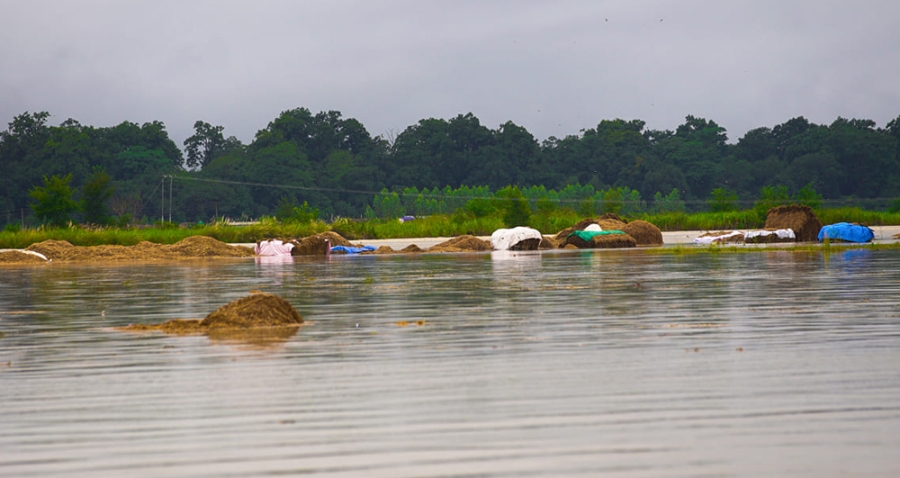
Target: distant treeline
{"points": [[339, 169]]}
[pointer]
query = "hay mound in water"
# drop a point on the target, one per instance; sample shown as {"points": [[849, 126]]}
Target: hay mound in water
{"points": [[720, 237], [190, 247], [800, 219], [259, 319], [316, 245], [645, 233], [335, 239], [255, 310], [464, 243], [382, 250], [19, 257], [412, 248]]}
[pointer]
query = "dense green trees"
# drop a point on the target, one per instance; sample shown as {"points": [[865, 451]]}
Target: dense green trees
{"points": [[334, 165]]}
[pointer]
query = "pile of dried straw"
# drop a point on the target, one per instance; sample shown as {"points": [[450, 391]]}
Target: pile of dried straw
{"points": [[800, 219]]}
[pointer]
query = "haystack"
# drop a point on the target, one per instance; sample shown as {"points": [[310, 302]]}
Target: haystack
{"points": [[10, 257], [190, 247], [256, 319], [316, 245], [255, 310], [464, 243], [800, 219], [412, 248], [645, 233]]}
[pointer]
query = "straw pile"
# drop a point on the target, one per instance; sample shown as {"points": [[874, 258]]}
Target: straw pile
{"points": [[316, 245], [800, 219], [256, 311], [190, 247], [18, 257], [644, 233], [464, 243]]}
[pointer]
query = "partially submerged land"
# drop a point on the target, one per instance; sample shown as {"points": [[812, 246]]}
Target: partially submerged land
{"points": [[800, 220]]}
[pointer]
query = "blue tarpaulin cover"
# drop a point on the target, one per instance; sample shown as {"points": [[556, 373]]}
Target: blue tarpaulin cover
{"points": [[352, 250], [845, 231]]}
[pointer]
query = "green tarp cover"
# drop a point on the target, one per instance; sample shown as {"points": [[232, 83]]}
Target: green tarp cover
{"points": [[588, 235]]}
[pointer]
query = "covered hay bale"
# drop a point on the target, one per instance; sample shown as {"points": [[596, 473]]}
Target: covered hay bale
{"points": [[613, 241], [560, 237], [601, 241], [464, 243], [719, 237], [645, 233], [255, 310], [204, 246], [19, 257], [800, 219]]}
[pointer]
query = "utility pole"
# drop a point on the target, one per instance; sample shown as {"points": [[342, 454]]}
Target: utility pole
{"points": [[162, 201], [171, 178]]}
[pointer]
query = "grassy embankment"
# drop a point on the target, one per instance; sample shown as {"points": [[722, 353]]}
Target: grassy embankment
{"points": [[433, 226]]}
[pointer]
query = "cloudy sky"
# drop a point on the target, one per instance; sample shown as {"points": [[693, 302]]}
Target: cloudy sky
{"points": [[554, 67]]}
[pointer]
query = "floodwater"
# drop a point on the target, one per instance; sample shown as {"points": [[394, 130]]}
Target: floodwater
{"points": [[620, 363]]}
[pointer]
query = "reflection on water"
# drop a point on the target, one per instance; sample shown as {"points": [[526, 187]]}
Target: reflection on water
{"points": [[576, 363]]}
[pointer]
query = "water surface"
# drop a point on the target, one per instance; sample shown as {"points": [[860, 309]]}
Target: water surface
{"points": [[627, 363]]}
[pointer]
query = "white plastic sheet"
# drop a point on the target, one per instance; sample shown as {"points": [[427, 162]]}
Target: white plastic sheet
{"points": [[273, 248], [503, 239]]}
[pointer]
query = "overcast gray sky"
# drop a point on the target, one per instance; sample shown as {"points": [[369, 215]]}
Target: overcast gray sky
{"points": [[554, 67]]}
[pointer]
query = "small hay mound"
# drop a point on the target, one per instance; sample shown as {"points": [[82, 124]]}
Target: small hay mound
{"points": [[800, 219], [335, 239], [645, 233], [10, 257], [53, 249], [310, 246], [255, 310], [203, 246], [412, 248], [549, 242], [382, 250], [896, 236], [464, 243]]}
